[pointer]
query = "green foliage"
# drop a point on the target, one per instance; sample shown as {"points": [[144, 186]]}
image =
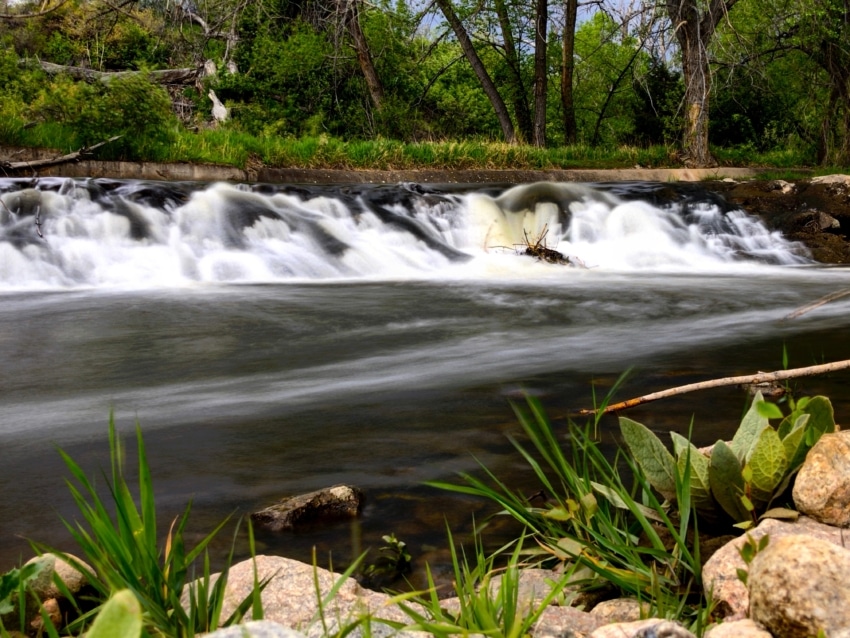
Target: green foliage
{"points": [[126, 552], [748, 552], [120, 616], [595, 521], [488, 597], [394, 560], [742, 477]]}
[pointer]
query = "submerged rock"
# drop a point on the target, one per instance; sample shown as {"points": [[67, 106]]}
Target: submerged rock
{"points": [[798, 587], [339, 501]]}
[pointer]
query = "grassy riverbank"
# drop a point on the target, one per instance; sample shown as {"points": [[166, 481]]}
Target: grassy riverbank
{"points": [[234, 148]]}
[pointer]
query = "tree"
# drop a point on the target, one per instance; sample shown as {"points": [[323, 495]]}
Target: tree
{"points": [[480, 70], [694, 22], [568, 41], [541, 71]]}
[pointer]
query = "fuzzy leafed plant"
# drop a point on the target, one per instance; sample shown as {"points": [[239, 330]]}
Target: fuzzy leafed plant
{"points": [[743, 477]]}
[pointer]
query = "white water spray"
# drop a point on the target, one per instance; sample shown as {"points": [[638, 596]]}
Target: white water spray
{"points": [[66, 233]]}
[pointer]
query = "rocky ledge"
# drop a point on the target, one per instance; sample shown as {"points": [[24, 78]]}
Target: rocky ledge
{"points": [[815, 212]]}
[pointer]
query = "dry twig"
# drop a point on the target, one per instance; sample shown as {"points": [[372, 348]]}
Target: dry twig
{"points": [[761, 377]]}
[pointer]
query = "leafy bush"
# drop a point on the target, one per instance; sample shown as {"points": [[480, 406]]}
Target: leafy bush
{"points": [[743, 477]]}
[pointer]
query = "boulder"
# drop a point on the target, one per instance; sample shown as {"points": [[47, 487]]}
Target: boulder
{"points": [[620, 610], [720, 574], [339, 501], [558, 622], [649, 628], [45, 593], [822, 487], [256, 629], [738, 629], [798, 587], [294, 590]]}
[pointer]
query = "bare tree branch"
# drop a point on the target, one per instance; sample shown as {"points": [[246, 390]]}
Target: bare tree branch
{"points": [[761, 377]]}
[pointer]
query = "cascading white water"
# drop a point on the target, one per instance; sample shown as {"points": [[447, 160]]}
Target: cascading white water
{"points": [[82, 233]]}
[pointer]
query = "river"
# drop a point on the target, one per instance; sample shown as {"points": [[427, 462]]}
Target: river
{"points": [[271, 340]]}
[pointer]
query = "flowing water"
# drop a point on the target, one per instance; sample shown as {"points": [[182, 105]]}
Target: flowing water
{"points": [[276, 339]]}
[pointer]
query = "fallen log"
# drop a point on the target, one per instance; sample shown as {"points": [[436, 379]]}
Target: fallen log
{"points": [[162, 76], [761, 377], [62, 159]]}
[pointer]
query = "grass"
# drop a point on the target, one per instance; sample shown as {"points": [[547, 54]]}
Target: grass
{"points": [[619, 534], [229, 146], [119, 539]]}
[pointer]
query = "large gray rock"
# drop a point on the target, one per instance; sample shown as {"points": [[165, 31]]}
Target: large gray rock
{"points": [[561, 622], [256, 629], [822, 487], [46, 595], [649, 628], [720, 573], [620, 610], [738, 629], [798, 587], [294, 591], [339, 501]]}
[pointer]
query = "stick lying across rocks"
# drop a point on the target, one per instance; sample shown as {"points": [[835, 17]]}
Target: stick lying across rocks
{"points": [[761, 377]]}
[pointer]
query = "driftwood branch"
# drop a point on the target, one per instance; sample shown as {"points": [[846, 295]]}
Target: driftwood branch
{"points": [[761, 377], [163, 76], [62, 159], [818, 303]]}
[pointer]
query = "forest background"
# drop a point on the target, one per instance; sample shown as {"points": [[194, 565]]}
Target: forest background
{"points": [[544, 83]]}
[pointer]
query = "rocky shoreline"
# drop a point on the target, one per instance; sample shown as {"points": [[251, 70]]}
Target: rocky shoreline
{"points": [[793, 585]]}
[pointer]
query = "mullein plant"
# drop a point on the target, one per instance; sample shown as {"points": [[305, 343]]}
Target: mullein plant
{"points": [[743, 478]]}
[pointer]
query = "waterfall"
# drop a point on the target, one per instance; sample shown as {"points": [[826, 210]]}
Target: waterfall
{"points": [[59, 233]]}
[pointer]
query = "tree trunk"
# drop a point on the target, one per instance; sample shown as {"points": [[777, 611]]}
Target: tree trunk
{"points": [[567, 68], [516, 87], [364, 56], [163, 76], [480, 71], [541, 22], [694, 22]]}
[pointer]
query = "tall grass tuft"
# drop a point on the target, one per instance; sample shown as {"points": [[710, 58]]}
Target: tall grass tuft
{"points": [[126, 553], [597, 520]]}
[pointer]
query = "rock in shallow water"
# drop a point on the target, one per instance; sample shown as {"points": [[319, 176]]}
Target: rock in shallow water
{"points": [[798, 586], [339, 501]]}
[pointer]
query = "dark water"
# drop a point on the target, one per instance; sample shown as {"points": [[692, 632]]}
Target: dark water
{"points": [[402, 372]]}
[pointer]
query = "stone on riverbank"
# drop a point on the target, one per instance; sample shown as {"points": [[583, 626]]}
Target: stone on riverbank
{"points": [[822, 487], [798, 587], [339, 501]]}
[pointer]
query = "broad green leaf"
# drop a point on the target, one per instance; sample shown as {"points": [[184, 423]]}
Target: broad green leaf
{"points": [[791, 422], [749, 431], [768, 410], [652, 456], [727, 485], [120, 616], [768, 464], [823, 417], [700, 486], [794, 444]]}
